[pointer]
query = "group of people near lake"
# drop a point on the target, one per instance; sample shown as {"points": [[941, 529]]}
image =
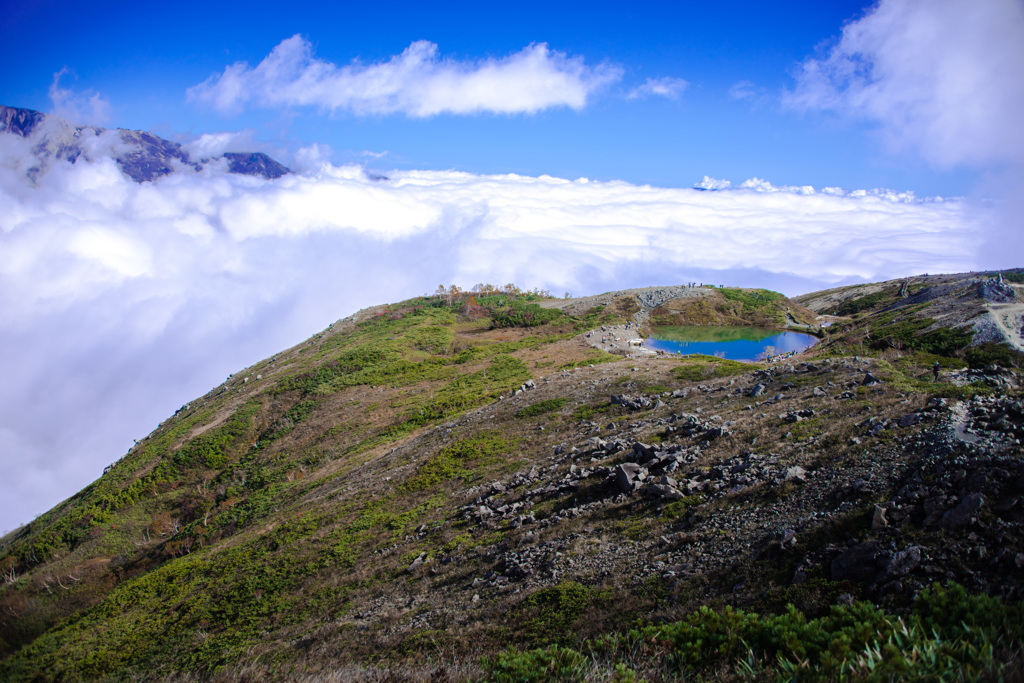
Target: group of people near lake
{"points": [[776, 357], [611, 340]]}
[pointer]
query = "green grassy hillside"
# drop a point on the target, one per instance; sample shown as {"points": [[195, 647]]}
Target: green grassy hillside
{"points": [[732, 306], [443, 479]]}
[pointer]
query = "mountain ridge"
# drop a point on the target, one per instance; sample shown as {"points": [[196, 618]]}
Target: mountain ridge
{"points": [[467, 471], [140, 155]]}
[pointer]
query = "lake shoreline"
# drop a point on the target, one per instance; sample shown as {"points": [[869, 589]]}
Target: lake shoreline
{"points": [[748, 344]]}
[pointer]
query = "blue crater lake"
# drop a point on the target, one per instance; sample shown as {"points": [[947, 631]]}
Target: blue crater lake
{"points": [[734, 343]]}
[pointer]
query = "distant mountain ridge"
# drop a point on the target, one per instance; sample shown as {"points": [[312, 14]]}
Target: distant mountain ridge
{"points": [[140, 155]]}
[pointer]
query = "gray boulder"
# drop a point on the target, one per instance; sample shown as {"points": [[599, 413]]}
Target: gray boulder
{"points": [[664, 491], [643, 451], [796, 474], [628, 476], [962, 514], [417, 563], [909, 420], [878, 519], [903, 562]]}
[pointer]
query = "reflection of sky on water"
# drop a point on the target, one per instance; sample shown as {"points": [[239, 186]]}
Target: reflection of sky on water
{"points": [[740, 349]]}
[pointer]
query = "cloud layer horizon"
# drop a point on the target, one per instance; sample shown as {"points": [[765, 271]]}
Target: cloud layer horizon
{"points": [[122, 301]]}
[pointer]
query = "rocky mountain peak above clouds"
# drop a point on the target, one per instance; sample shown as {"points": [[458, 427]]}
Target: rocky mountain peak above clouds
{"points": [[140, 155]]}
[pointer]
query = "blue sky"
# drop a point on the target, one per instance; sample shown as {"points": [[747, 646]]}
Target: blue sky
{"points": [[552, 145], [142, 58]]}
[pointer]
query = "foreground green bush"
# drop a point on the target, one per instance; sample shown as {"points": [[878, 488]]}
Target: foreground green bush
{"points": [[551, 664], [948, 635]]}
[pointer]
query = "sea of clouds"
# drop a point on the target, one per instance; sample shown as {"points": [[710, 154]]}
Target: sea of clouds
{"points": [[121, 301]]}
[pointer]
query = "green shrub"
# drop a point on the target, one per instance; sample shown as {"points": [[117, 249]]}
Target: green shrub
{"points": [[762, 302], [592, 359], [996, 353], [861, 303], [906, 333], [540, 407], [697, 367], [284, 424], [551, 614], [516, 313], [211, 449], [553, 664], [471, 390], [455, 461], [949, 635], [678, 508], [951, 613]]}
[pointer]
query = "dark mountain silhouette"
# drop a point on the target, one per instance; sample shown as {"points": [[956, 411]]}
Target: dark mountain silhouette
{"points": [[140, 155]]}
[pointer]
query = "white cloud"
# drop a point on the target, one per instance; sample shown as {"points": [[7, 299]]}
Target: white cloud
{"points": [[743, 90], [748, 91], [88, 107], [669, 87], [941, 78], [121, 301], [761, 185], [312, 159], [709, 183], [209, 145], [417, 83]]}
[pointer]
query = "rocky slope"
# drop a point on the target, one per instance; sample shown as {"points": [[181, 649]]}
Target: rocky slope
{"points": [[424, 483], [989, 306], [140, 155]]}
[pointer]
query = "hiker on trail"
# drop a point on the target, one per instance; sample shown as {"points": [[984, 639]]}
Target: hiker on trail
{"points": [[935, 370]]}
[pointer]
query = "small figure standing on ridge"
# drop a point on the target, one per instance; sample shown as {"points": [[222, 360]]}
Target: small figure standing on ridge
{"points": [[935, 370]]}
